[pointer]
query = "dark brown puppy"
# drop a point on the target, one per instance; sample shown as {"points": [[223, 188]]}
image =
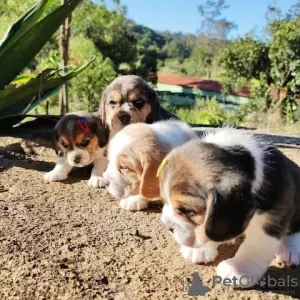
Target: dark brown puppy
{"points": [[80, 139], [129, 99]]}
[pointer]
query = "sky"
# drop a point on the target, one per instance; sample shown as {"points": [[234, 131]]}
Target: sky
{"points": [[182, 15]]}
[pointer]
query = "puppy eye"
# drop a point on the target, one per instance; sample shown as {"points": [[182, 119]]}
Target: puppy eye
{"points": [[65, 145], [84, 143], [139, 103], [187, 212], [112, 103], [121, 168]]}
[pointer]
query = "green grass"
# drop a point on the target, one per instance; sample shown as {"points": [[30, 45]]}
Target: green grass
{"points": [[206, 112]]}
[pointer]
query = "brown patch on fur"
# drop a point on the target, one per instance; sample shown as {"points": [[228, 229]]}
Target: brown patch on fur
{"points": [[79, 138], [145, 111], [60, 149], [115, 96], [92, 147], [134, 95]]}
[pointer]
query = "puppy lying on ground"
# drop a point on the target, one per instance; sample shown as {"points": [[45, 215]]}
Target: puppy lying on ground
{"points": [[226, 185], [80, 139], [129, 99], [134, 155]]}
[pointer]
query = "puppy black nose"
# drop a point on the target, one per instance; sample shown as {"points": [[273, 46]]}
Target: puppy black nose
{"points": [[171, 230], [77, 159], [124, 118]]}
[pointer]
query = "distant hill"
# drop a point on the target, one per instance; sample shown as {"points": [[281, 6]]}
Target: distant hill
{"points": [[178, 53]]}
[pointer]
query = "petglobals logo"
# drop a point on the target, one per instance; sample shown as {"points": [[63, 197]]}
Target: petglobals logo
{"points": [[266, 282], [284, 282]]}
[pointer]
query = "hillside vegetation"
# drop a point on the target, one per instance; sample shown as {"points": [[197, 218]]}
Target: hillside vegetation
{"points": [[268, 65]]}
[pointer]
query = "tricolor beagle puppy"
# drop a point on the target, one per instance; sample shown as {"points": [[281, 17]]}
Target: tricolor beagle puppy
{"points": [[129, 99], [225, 185], [81, 139]]}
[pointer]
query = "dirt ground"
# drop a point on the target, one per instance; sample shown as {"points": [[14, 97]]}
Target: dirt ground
{"points": [[68, 241]]}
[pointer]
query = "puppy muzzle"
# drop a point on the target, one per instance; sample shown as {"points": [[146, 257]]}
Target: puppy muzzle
{"points": [[124, 118], [183, 232]]}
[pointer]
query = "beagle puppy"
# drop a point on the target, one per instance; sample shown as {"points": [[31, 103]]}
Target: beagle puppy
{"points": [[134, 155], [80, 139], [225, 185], [129, 99]]}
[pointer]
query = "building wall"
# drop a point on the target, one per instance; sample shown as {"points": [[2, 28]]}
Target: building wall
{"points": [[185, 96]]}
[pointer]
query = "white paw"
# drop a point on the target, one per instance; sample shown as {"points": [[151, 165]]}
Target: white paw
{"points": [[134, 203], [240, 273], [289, 252], [97, 181], [204, 254], [55, 175]]}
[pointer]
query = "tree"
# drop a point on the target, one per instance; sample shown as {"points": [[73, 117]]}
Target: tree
{"points": [[285, 59], [64, 56], [272, 66], [213, 27], [107, 31], [245, 58]]}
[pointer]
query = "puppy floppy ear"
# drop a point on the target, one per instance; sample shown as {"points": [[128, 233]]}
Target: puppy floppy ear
{"points": [[228, 215], [102, 106], [102, 131], [149, 185], [56, 146], [155, 114], [131, 170]]}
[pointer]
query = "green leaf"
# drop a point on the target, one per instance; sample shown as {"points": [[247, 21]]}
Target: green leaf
{"points": [[21, 100], [18, 53], [23, 24], [23, 79]]}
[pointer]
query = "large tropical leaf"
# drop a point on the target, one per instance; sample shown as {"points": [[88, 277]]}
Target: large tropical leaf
{"points": [[24, 23], [18, 52], [22, 99]]}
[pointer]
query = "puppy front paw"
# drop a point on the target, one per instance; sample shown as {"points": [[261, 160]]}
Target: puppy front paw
{"points": [[290, 257], [240, 273], [204, 254], [289, 252], [55, 175], [134, 203], [97, 181]]}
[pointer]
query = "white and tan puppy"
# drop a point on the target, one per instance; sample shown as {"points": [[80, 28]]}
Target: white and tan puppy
{"points": [[134, 155], [80, 140], [229, 184]]}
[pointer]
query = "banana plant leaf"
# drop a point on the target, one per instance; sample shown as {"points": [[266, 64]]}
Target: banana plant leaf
{"points": [[24, 23], [21, 49], [23, 79], [19, 100]]}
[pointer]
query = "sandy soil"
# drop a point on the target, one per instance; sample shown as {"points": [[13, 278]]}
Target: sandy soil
{"points": [[67, 241]]}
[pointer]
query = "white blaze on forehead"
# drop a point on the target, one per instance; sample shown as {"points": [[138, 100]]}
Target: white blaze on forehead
{"points": [[229, 137], [126, 108]]}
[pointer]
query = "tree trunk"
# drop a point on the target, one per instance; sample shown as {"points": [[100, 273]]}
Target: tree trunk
{"points": [[64, 55], [209, 73], [47, 108]]}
